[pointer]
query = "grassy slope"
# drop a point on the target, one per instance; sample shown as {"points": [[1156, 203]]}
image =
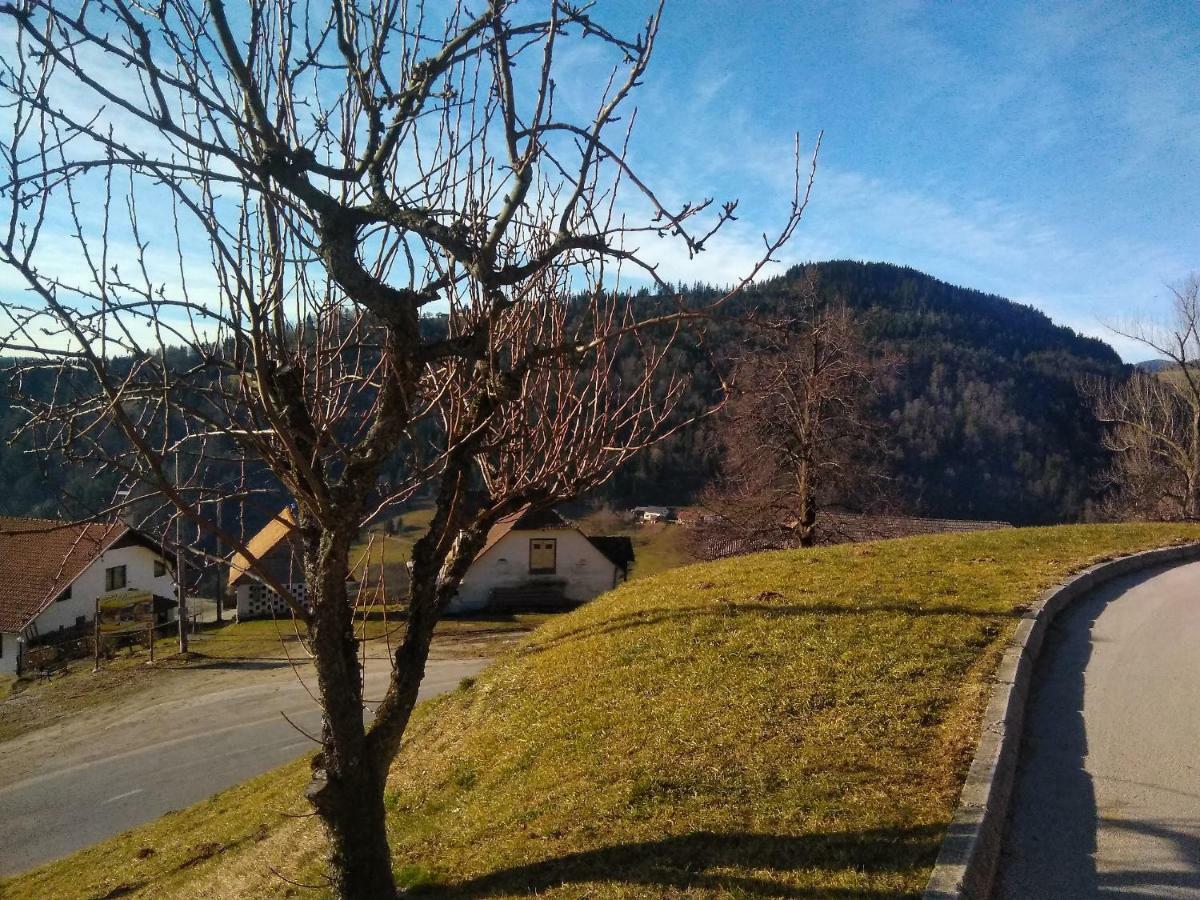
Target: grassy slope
{"points": [[788, 724], [656, 548]]}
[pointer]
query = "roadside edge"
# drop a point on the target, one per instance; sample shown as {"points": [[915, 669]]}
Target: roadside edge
{"points": [[966, 863]]}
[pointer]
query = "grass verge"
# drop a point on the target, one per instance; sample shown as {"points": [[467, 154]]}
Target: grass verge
{"points": [[788, 724], [35, 702]]}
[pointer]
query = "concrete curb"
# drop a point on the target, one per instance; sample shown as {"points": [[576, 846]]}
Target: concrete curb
{"points": [[966, 863]]}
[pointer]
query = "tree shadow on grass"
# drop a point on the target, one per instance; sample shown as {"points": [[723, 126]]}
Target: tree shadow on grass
{"points": [[734, 608], [738, 863]]}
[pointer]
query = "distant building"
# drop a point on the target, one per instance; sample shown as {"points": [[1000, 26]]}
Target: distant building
{"points": [[52, 573], [696, 517], [538, 559], [280, 557], [646, 515], [530, 560]]}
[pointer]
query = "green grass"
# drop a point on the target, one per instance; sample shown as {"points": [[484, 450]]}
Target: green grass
{"points": [[659, 548], [788, 724], [379, 548], [656, 548], [271, 639]]}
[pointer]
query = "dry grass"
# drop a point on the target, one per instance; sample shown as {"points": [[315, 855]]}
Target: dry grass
{"points": [[37, 701], [656, 547], [788, 724]]}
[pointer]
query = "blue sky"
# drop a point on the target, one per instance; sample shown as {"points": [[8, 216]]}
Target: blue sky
{"points": [[1047, 153]]}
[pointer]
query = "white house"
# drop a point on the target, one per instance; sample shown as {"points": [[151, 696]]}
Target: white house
{"points": [[537, 559], [529, 560], [51, 574]]}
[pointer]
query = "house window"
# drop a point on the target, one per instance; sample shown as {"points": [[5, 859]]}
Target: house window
{"points": [[542, 553], [160, 568], [114, 578], [65, 595]]}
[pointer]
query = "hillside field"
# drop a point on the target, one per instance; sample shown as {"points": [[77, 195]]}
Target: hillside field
{"points": [[795, 724]]}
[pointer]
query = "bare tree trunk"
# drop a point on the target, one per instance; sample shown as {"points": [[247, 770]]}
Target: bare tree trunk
{"points": [[807, 491], [347, 788], [796, 433], [1153, 419]]}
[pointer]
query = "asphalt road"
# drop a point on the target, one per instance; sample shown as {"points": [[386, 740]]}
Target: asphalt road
{"points": [[1107, 799], [166, 755]]}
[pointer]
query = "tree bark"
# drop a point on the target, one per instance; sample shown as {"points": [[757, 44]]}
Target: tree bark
{"points": [[348, 782], [806, 525]]}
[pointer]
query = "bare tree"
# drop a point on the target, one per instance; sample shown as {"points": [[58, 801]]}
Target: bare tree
{"points": [[797, 433], [1153, 419], [346, 253]]}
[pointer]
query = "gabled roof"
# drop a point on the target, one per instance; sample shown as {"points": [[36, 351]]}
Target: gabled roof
{"points": [[618, 550], [522, 520], [263, 543], [41, 558]]}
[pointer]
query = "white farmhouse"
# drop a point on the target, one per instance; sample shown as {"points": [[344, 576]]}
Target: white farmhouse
{"points": [[530, 560], [535, 559], [51, 574]]}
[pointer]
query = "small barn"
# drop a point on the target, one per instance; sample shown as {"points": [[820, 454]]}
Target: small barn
{"points": [[278, 553], [536, 559]]}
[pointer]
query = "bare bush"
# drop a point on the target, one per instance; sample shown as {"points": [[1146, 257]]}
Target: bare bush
{"points": [[1153, 419], [798, 435]]}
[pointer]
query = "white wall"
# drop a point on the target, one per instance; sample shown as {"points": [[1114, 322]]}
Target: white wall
{"points": [[139, 576], [8, 661], [257, 601], [586, 571]]}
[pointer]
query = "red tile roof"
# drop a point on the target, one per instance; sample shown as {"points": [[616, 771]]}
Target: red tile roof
{"points": [[40, 558]]}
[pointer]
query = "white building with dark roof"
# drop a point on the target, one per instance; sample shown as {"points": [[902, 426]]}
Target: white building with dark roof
{"points": [[539, 560]]}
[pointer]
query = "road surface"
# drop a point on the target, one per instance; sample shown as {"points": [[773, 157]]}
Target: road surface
{"points": [[140, 763], [1107, 799]]}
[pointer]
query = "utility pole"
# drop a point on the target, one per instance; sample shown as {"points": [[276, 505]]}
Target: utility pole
{"points": [[180, 575], [220, 568]]}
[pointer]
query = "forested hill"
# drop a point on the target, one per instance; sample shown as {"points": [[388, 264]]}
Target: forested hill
{"points": [[983, 419]]}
